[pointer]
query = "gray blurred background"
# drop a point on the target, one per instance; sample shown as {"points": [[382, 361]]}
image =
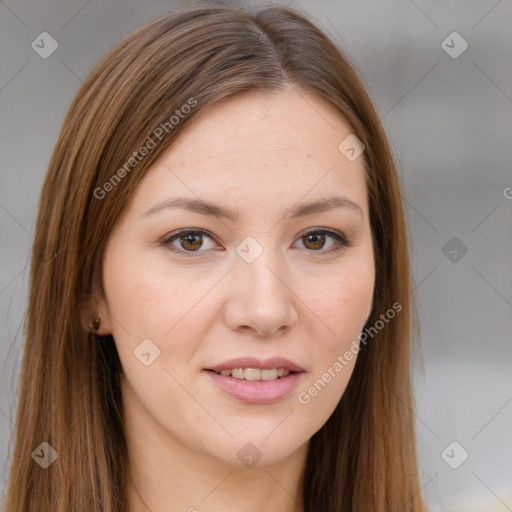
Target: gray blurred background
{"points": [[447, 110]]}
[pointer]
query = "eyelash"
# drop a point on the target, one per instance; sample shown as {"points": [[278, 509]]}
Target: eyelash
{"points": [[342, 241]]}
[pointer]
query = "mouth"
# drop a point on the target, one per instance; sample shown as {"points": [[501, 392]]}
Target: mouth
{"points": [[255, 381], [255, 374]]}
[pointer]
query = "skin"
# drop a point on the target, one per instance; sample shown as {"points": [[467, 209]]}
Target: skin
{"points": [[260, 154]]}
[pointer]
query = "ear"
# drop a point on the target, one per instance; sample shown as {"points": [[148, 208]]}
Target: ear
{"points": [[96, 307]]}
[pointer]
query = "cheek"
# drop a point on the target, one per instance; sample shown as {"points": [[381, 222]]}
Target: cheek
{"points": [[148, 301], [145, 297], [342, 310], [342, 304]]}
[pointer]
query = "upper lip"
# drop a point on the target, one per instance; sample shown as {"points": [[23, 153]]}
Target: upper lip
{"points": [[254, 362]]}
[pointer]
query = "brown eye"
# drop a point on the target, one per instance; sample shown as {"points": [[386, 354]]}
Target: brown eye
{"points": [[316, 241], [191, 241]]}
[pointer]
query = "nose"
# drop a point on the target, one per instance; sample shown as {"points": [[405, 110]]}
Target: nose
{"points": [[261, 300]]}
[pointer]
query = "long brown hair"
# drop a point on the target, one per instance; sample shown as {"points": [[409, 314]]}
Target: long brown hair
{"points": [[363, 459]]}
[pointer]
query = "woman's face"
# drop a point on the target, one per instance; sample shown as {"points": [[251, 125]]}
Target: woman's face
{"points": [[267, 282]]}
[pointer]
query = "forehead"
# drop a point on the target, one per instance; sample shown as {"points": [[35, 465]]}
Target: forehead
{"points": [[273, 147], [265, 121]]}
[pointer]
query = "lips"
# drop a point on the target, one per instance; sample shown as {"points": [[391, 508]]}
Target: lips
{"points": [[256, 391], [253, 362]]}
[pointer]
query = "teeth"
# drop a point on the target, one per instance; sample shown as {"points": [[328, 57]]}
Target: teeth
{"points": [[255, 373], [238, 373]]}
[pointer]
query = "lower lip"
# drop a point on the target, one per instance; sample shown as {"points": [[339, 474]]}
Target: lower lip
{"points": [[257, 391]]}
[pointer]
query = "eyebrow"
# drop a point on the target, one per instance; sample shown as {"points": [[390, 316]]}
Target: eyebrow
{"points": [[207, 208]]}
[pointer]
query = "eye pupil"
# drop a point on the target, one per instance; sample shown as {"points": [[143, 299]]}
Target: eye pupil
{"points": [[189, 239], [318, 240]]}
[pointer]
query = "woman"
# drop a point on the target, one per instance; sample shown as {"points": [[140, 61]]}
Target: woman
{"points": [[220, 309]]}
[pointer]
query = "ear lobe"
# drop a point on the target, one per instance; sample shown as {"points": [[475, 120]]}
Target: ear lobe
{"points": [[94, 309]]}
